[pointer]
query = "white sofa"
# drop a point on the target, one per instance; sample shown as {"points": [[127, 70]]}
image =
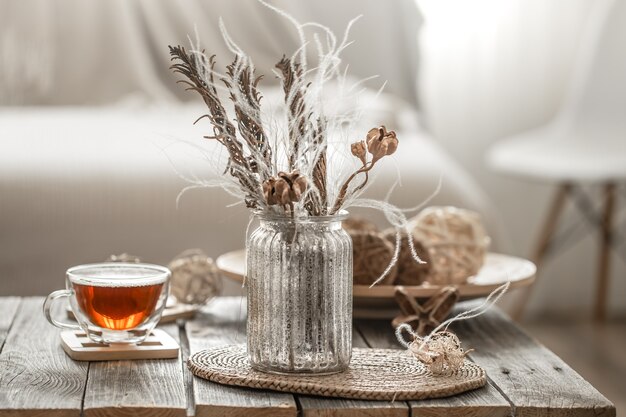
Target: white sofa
{"points": [[79, 184]]}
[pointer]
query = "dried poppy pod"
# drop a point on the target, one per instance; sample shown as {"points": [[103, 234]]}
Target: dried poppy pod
{"points": [[359, 150], [269, 191], [284, 189], [297, 184], [381, 143]]}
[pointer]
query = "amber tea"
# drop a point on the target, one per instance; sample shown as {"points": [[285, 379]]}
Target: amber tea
{"points": [[114, 302], [117, 307]]}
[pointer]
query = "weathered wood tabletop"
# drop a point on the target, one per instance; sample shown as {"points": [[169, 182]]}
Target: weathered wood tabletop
{"points": [[38, 379]]}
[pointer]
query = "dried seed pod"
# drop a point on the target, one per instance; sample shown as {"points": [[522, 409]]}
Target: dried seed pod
{"points": [[381, 143], [269, 191], [359, 150], [297, 184], [281, 192], [285, 188]]}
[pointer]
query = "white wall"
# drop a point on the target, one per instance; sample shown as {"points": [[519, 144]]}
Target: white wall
{"points": [[491, 68]]}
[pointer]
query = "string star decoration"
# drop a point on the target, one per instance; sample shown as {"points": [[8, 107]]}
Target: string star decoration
{"points": [[424, 318]]}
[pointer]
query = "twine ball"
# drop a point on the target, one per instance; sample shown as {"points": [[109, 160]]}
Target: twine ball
{"points": [[359, 224], [372, 253], [195, 278], [456, 242], [410, 272]]}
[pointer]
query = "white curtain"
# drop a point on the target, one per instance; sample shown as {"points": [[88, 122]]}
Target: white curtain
{"points": [[493, 68], [84, 52]]}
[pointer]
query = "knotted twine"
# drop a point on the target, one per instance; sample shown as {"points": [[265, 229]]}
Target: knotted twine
{"points": [[440, 351]]}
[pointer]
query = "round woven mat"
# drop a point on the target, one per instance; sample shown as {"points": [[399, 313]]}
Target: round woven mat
{"points": [[374, 374]]}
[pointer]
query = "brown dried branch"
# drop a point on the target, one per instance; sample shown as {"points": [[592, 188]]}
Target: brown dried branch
{"points": [[249, 119], [298, 118], [317, 204], [299, 125], [190, 67]]}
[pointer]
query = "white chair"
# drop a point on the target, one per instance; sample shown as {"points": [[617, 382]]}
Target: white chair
{"points": [[585, 144]]}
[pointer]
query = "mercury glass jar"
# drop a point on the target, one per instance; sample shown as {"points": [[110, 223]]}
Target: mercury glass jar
{"points": [[299, 286]]}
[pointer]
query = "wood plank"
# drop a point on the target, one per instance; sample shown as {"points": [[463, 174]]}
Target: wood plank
{"points": [[600, 359], [483, 402], [8, 309], [153, 387], [335, 407], [223, 322], [535, 380], [187, 375], [486, 401], [36, 376]]}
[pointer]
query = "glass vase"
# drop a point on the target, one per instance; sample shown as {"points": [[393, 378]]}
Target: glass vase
{"points": [[299, 286]]}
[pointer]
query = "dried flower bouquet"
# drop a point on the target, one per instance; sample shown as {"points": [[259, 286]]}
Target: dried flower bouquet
{"points": [[298, 185], [288, 170]]}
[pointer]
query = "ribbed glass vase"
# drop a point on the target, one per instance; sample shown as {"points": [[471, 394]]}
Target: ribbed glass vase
{"points": [[299, 285]]}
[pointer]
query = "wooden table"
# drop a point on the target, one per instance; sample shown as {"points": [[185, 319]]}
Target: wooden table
{"points": [[38, 379]]}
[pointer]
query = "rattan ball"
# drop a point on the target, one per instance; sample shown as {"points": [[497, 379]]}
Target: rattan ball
{"points": [[372, 253], [195, 278], [456, 242], [409, 271], [359, 224]]}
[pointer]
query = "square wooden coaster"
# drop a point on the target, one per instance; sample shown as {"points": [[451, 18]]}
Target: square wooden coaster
{"points": [[158, 345]]}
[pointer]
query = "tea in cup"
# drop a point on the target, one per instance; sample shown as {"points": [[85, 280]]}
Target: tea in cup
{"points": [[114, 302]]}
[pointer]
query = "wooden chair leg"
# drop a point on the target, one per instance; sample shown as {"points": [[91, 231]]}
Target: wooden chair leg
{"points": [[604, 259], [543, 244]]}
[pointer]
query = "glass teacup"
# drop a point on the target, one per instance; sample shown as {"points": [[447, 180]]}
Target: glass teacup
{"points": [[113, 302]]}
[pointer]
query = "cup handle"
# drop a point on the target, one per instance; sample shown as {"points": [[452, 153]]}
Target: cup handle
{"points": [[47, 305]]}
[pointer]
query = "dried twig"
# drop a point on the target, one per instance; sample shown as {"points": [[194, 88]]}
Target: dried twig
{"points": [[317, 204], [380, 143], [294, 99], [301, 128]]}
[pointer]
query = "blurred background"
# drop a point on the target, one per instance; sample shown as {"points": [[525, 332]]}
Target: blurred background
{"points": [[519, 106]]}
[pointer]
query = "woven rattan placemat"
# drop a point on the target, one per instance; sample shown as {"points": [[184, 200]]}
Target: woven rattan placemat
{"points": [[374, 374]]}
